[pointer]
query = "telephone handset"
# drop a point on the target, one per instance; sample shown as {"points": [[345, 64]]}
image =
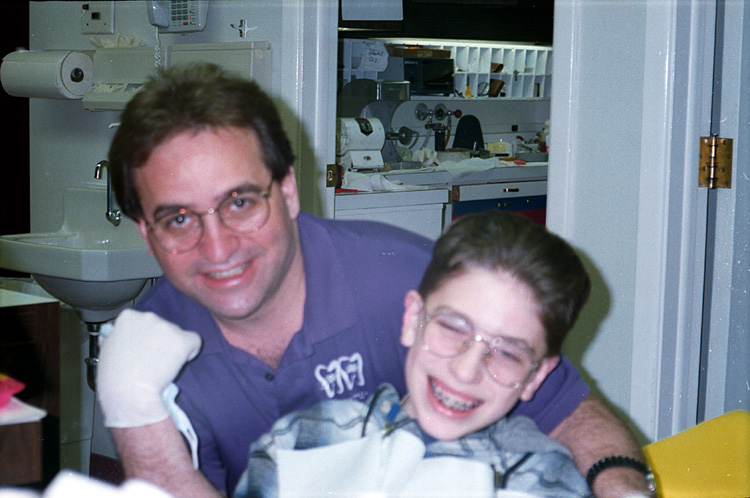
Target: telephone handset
{"points": [[158, 13], [178, 16]]}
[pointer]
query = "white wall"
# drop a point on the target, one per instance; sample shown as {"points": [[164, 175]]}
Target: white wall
{"points": [[630, 97], [67, 141], [595, 202]]}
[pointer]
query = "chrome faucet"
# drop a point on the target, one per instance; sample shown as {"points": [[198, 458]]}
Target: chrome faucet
{"points": [[114, 216]]}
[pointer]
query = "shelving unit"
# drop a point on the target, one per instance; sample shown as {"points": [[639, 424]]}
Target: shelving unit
{"points": [[526, 69]]}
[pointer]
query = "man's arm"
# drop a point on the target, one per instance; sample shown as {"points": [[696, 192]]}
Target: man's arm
{"points": [[157, 453], [138, 360], [593, 432]]}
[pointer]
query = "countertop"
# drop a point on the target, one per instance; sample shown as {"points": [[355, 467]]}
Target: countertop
{"points": [[10, 298]]}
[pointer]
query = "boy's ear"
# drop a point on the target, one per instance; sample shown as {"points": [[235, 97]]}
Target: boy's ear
{"points": [[547, 364], [412, 316]]}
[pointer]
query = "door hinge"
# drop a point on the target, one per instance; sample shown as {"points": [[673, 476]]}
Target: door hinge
{"points": [[331, 175], [715, 162]]}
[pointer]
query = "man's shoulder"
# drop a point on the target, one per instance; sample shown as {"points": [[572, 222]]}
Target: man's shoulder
{"points": [[365, 251], [363, 234]]}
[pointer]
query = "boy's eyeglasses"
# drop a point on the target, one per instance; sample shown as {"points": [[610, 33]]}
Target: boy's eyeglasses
{"points": [[446, 334], [181, 229]]}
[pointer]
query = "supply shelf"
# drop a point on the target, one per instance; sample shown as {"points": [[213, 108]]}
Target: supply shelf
{"points": [[524, 69]]}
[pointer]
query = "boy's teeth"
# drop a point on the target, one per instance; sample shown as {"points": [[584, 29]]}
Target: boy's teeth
{"points": [[228, 273], [451, 402]]}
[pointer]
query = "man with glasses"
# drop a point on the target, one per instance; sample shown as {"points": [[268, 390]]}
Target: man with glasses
{"points": [[484, 330], [291, 309]]}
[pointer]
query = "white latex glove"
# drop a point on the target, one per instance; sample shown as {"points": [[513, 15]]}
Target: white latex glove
{"points": [[140, 357]]}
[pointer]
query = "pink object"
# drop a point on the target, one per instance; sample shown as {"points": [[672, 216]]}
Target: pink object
{"points": [[8, 387]]}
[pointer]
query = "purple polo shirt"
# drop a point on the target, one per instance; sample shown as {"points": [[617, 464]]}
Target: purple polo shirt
{"points": [[357, 274]]}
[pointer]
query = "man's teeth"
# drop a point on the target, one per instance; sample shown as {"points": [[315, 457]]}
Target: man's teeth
{"points": [[451, 402], [229, 273]]}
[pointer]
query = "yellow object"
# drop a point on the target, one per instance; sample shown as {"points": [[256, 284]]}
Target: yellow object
{"points": [[710, 460], [497, 147]]}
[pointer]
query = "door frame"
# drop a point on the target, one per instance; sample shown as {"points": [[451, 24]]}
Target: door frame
{"points": [[308, 86]]}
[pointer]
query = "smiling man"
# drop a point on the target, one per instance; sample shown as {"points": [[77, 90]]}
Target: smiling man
{"points": [[291, 309], [248, 272]]}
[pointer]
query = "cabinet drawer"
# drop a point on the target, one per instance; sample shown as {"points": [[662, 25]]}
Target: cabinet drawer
{"points": [[526, 198], [499, 190]]}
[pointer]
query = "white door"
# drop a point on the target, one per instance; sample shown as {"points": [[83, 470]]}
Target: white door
{"points": [[632, 95], [725, 358]]}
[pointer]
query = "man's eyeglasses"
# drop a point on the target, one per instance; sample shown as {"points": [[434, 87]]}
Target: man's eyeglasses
{"points": [[180, 229], [447, 334]]}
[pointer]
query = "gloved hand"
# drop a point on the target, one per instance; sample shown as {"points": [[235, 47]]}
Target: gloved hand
{"points": [[140, 357]]}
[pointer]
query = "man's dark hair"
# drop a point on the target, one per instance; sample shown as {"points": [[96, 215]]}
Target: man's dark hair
{"points": [[192, 98]]}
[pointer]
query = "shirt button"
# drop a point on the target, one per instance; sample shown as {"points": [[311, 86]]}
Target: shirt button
{"points": [[270, 377]]}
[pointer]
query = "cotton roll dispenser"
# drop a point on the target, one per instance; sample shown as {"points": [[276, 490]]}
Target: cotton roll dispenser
{"points": [[359, 142]]}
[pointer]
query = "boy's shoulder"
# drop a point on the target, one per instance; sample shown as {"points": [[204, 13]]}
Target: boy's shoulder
{"points": [[328, 422]]}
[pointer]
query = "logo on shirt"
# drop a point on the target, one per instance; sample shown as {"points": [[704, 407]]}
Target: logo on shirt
{"points": [[343, 373]]}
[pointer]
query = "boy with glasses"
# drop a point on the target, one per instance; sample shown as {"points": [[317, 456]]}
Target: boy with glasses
{"points": [[484, 329]]}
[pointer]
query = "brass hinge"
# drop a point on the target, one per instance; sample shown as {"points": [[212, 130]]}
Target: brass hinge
{"points": [[715, 162], [331, 175]]}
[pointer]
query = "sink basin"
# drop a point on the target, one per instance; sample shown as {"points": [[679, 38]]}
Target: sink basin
{"points": [[88, 263]]}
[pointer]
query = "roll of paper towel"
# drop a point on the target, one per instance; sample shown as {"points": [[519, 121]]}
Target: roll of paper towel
{"points": [[53, 74]]}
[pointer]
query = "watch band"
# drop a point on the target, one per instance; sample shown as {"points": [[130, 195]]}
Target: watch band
{"points": [[621, 461]]}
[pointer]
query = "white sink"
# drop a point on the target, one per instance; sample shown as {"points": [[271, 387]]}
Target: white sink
{"points": [[88, 263]]}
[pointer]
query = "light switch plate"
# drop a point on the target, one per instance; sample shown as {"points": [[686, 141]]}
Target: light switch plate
{"points": [[98, 18]]}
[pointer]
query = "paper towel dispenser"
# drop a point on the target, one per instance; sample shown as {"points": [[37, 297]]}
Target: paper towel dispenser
{"points": [[120, 72], [49, 74]]}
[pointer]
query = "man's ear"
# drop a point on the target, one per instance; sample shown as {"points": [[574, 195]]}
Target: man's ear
{"points": [[143, 228], [547, 364], [288, 186], [412, 318]]}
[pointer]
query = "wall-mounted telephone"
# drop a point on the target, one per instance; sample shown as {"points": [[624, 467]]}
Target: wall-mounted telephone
{"points": [[178, 16]]}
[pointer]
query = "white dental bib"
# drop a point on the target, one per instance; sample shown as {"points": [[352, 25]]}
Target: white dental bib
{"points": [[377, 466]]}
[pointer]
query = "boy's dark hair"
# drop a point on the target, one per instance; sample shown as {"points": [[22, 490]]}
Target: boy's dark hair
{"points": [[504, 241], [192, 98]]}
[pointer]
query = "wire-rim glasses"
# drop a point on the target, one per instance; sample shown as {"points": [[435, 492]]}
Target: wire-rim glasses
{"points": [[180, 229], [448, 334]]}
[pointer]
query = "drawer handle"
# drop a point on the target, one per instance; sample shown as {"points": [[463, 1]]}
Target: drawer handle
{"points": [[511, 189]]}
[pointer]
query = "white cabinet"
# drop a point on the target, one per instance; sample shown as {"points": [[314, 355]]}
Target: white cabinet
{"points": [[419, 211]]}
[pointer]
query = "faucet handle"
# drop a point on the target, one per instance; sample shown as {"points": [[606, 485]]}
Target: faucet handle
{"points": [[114, 217]]}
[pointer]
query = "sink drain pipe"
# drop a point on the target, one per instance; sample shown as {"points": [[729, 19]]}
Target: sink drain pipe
{"points": [[93, 359]]}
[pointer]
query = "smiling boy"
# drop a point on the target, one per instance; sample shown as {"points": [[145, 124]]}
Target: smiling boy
{"points": [[484, 329]]}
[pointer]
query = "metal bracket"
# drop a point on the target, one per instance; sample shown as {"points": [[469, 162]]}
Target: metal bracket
{"points": [[715, 162], [332, 175]]}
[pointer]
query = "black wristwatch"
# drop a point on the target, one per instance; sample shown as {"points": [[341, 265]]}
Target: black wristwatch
{"points": [[621, 461]]}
